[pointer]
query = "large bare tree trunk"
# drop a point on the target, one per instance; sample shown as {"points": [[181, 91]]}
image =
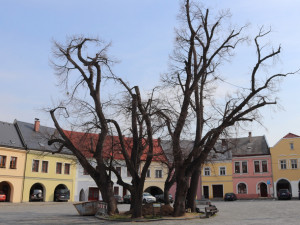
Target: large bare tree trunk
{"points": [[192, 192], [182, 186]]}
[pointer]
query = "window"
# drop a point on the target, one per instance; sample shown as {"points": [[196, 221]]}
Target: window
{"points": [[292, 146], [244, 167], [222, 171], [237, 167], [242, 188], [294, 163], [44, 166], [264, 166], [67, 168], [256, 167], [148, 173], [58, 168], [118, 168], [206, 171], [35, 165], [85, 172], [13, 163], [116, 190], [283, 164], [2, 161], [158, 173]]}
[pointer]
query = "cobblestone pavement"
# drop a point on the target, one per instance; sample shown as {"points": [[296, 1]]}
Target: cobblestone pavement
{"points": [[238, 212]]}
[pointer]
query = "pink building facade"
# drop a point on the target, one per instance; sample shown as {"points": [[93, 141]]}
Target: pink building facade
{"points": [[252, 168], [252, 177]]}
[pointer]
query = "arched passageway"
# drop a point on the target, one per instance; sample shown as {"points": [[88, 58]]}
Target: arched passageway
{"points": [[37, 192], [61, 193], [283, 184], [153, 190], [6, 188]]}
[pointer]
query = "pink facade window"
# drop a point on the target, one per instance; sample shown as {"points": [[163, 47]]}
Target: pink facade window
{"points": [[237, 167], [264, 166], [245, 167], [256, 167], [242, 188], [261, 166]]}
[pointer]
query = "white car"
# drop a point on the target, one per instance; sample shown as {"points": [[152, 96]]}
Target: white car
{"points": [[148, 198]]}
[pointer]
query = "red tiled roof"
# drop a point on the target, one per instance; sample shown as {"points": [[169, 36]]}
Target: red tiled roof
{"points": [[86, 143], [290, 135]]}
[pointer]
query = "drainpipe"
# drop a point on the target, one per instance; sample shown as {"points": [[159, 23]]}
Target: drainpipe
{"points": [[24, 175]]}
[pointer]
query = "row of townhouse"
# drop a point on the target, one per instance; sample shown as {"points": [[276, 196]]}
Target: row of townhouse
{"points": [[27, 163], [250, 169], [247, 166]]}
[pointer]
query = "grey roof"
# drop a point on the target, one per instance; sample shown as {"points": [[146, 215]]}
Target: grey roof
{"points": [[9, 136], [38, 140], [246, 146], [187, 146], [249, 146]]}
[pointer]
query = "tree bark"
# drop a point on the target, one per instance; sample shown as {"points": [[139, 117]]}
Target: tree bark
{"points": [[108, 197], [182, 186], [192, 192]]}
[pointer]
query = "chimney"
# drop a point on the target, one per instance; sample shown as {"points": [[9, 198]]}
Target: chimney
{"points": [[36, 125], [250, 136]]}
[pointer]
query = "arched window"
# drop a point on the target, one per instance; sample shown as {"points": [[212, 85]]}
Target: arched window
{"points": [[242, 188]]}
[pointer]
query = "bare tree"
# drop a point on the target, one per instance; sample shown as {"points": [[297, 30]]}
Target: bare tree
{"points": [[202, 44], [82, 75]]}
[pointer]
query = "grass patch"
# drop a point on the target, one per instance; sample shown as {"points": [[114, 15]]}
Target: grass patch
{"points": [[120, 217]]}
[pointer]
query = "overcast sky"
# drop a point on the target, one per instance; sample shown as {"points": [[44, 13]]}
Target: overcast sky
{"points": [[142, 33]]}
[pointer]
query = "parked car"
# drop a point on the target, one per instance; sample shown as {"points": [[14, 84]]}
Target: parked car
{"points": [[284, 194], [2, 196], [119, 199], [62, 195], [37, 195], [148, 198], [160, 198], [230, 197], [127, 199]]}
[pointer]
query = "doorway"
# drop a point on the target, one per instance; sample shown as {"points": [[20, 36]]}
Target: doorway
{"points": [[93, 194], [217, 191], [206, 192], [263, 190]]}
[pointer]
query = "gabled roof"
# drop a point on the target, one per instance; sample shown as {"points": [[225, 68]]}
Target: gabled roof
{"points": [[9, 136], [291, 135], [86, 143], [38, 140], [187, 146], [248, 146]]}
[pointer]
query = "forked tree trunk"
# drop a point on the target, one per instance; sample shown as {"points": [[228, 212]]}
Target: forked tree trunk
{"points": [[108, 197], [137, 202], [192, 192], [182, 186]]}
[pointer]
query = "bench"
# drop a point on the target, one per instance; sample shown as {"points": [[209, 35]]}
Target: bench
{"points": [[210, 211], [201, 204]]}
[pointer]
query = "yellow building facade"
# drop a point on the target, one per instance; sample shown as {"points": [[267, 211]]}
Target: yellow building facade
{"points": [[156, 177], [216, 179], [12, 163], [285, 156], [47, 172]]}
